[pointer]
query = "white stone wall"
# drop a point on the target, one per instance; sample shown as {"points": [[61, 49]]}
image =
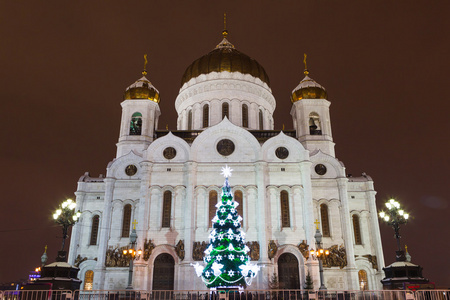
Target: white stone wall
{"points": [[258, 173]]}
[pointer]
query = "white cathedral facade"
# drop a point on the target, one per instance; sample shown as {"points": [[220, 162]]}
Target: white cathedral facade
{"points": [[167, 183]]}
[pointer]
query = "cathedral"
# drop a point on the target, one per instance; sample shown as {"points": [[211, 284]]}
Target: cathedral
{"points": [[163, 186]]}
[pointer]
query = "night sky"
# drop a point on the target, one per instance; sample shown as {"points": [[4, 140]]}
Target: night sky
{"points": [[64, 66]]}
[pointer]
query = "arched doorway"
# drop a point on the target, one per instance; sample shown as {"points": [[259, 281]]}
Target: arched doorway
{"points": [[163, 272], [288, 275]]}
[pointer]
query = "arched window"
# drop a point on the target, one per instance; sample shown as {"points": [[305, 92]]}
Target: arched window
{"points": [[136, 124], [357, 230], [88, 280], [94, 230], [126, 220], [190, 120], [244, 115], [261, 120], [225, 110], [206, 115], [239, 199], [285, 219], [324, 219], [362, 277], [167, 206], [314, 124], [212, 206]]}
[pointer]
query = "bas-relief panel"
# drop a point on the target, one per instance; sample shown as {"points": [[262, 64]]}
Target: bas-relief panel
{"points": [[335, 282]]}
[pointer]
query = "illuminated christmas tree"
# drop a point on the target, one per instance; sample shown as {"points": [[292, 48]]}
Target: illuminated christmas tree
{"points": [[226, 259]]}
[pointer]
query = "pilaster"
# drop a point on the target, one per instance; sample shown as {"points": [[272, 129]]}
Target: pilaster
{"points": [[76, 229], [99, 278], [347, 234], [375, 230], [308, 208]]}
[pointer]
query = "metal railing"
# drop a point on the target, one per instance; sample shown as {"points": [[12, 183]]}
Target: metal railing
{"points": [[229, 295]]}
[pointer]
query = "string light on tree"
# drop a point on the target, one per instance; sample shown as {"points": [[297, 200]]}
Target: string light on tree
{"points": [[227, 264]]}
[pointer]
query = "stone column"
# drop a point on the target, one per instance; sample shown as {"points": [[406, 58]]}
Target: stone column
{"points": [[105, 225], [143, 212], [273, 211], [155, 209], [297, 210], [235, 112], [308, 208], [179, 209], [188, 205], [262, 223], [375, 230], [347, 234], [76, 229], [252, 203], [201, 209]]}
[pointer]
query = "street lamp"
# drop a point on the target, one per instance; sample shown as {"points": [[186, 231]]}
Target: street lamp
{"points": [[394, 217], [65, 216], [320, 253], [131, 253]]}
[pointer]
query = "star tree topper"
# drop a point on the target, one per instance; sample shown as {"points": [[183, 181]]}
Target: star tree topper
{"points": [[226, 172]]}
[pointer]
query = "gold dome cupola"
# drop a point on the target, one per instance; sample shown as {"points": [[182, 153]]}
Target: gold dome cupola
{"points": [[308, 88], [142, 88], [226, 58], [225, 83]]}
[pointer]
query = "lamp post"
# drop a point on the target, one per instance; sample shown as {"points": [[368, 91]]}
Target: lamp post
{"points": [[320, 253], [394, 217], [65, 216], [131, 253]]}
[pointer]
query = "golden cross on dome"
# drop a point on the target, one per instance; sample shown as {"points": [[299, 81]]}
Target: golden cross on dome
{"points": [[134, 224], [225, 31], [145, 65], [45, 249], [304, 61], [317, 224]]}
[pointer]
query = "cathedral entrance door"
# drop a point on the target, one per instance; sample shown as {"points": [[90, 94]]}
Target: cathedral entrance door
{"points": [[288, 275], [163, 272]]}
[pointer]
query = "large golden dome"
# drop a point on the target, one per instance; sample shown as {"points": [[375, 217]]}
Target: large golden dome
{"points": [[225, 58]]}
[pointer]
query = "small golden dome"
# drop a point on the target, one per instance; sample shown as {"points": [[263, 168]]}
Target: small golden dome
{"points": [[225, 58], [308, 89], [142, 89]]}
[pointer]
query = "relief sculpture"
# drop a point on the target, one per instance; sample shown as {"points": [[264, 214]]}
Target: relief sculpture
{"points": [[198, 250], [272, 249], [179, 249], [115, 257], [148, 248], [254, 250], [336, 258], [303, 247], [373, 260], [79, 260]]}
